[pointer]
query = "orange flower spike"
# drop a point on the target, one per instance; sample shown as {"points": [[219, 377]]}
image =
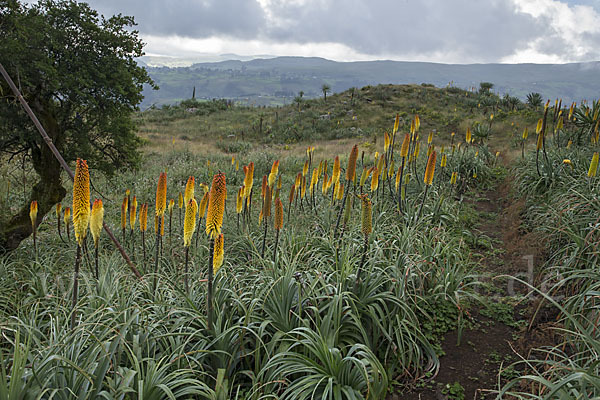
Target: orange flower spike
{"points": [[81, 200], [263, 189], [278, 214], [430, 169], [161, 194], [351, 170], [33, 212]]}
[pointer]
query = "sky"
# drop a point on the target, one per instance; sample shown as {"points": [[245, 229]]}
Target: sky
{"points": [[445, 31]]}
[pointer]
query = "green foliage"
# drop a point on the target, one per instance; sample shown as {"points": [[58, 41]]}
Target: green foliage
{"points": [[78, 72], [534, 100], [454, 391]]}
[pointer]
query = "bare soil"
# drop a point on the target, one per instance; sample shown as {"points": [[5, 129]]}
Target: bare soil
{"points": [[490, 346]]}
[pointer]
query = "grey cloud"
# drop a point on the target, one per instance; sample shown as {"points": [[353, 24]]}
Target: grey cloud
{"points": [[487, 30], [469, 31], [189, 18]]}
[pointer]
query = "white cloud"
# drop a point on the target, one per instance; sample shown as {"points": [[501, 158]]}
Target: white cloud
{"points": [[572, 32]]}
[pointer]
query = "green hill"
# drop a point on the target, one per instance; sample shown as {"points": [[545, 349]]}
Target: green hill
{"points": [[277, 80]]}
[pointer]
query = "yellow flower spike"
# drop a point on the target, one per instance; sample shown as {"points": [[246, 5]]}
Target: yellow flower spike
{"points": [[430, 169], [336, 169], [162, 225], [67, 217], [405, 145], [396, 123], [58, 210], [386, 142], [539, 125], [96, 220], [278, 221], [249, 179], [279, 182], [417, 150], [453, 178], [239, 201], [568, 162], [303, 188], [444, 160], [189, 221], [237, 165], [144, 217], [218, 253], [430, 137], [351, 170], [274, 172], [314, 180], [540, 141], [417, 123], [340, 195], [155, 224], [305, 168], [216, 205], [161, 194], [33, 212], [232, 160], [468, 135], [593, 165], [366, 217], [525, 133], [133, 212], [398, 174], [391, 169], [203, 204], [170, 206], [81, 200], [374, 179], [189, 190], [412, 126]]}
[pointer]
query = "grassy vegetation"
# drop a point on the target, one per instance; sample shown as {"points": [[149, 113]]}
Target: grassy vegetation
{"points": [[354, 312]]}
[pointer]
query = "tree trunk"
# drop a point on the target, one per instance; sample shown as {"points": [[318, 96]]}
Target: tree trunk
{"points": [[47, 192]]}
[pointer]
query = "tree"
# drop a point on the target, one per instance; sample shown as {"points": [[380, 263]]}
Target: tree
{"points": [[299, 99], [325, 89], [77, 71], [534, 100], [485, 87]]}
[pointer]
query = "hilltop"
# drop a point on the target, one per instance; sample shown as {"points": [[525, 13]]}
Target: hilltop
{"points": [[275, 81], [225, 126]]}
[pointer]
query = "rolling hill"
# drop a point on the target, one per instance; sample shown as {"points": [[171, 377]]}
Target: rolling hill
{"points": [[277, 80]]}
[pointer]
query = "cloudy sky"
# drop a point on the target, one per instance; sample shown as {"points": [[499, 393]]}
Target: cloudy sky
{"points": [[448, 31]]}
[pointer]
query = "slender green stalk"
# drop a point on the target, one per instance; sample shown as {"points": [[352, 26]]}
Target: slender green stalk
{"points": [[75, 286]]}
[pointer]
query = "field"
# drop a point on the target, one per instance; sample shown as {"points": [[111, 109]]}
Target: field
{"points": [[391, 242]]}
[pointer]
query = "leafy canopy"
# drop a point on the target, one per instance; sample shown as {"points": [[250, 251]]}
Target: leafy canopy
{"points": [[78, 72]]}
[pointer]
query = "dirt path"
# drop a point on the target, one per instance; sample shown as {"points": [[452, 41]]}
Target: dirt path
{"points": [[471, 369]]}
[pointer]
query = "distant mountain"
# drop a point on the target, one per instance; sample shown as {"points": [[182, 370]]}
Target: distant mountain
{"points": [[278, 80]]}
